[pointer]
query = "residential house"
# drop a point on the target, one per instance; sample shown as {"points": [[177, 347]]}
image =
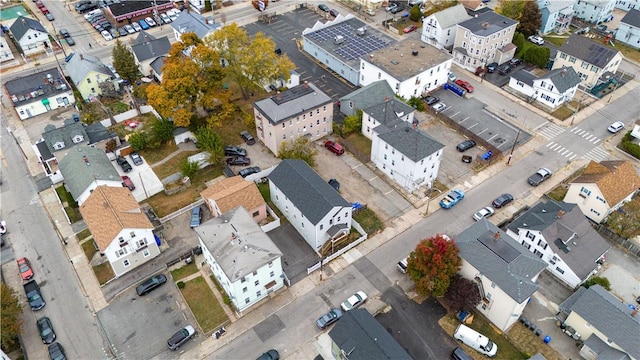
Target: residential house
{"points": [[87, 72], [359, 336], [182, 134], [406, 154], [39, 93], [410, 70], [366, 96], [193, 22], [474, 6], [627, 5], [589, 58], [244, 260], [197, 6], [594, 11], [314, 208], [303, 110], [30, 35], [504, 271], [629, 29], [146, 49], [603, 187], [120, 228], [84, 169], [559, 234], [387, 111], [55, 142], [484, 39], [229, 193], [99, 136], [556, 15], [439, 29], [5, 51], [552, 89], [607, 326]]}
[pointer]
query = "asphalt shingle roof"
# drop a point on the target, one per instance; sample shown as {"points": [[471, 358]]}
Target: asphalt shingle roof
{"points": [[151, 49], [501, 259], [23, 24], [232, 192], [487, 23], [192, 22], [97, 132], [389, 112], [36, 87], [65, 134], [572, 228], [80, 66], [524, 76], [603, 350], [372, 94], [632, 18], [412, 143], [563, 78], [306, 189], [588, 50], [451, 16], [361, 336], [294, 101], [616, 179], [79, 174]]}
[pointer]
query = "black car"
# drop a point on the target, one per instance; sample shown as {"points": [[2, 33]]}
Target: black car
{"points": [[234, 151], [540, 176], [238, 160], [70, 42], [122, 32], [248, 171], [56, 352], [246, 136], [430, 100], [502, 200], [492, 67], [328, 318], [46, 330], [124, 164], [515, 62], [505, 69], [334, 12], [466, 145], [323, 7], [151, 284], [270, 355]]}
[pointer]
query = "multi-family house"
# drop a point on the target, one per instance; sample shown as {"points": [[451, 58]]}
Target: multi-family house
{"points": [[150, 53], [120, 228], [6, 54], [608, 327], [193, 22], [556, 15], [627, 5], [30, 35], [504, 271], [552, 89], [439, 29], [629, 29], [365, 97], [594, 11], [242, 257], [559, 234], [303, 110], [39, 93], [484, 39], [87, 72], [603, 187], [85, 168], [229, 193], [410, 69], [589, 58], [314, 208], [388, 111]]}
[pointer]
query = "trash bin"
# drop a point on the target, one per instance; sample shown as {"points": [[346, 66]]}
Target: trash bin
{"points": [[547, 339]]}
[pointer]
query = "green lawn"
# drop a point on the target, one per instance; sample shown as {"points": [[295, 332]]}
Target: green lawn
{"points": [[89, 249], [83, 234], [183, 272], [369, 221], [70, 205], [104, 272], [204, 305]]}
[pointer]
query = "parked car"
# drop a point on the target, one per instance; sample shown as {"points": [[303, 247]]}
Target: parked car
{"points": [[451, 76], [515, 62], [465, 85], [150, 21], [329, 318], [135, 157], [323, 7], [536, 39], [248, 171], [106, 35], [49, 16], [354, 301], [334, 12], [196, 217], [601, 27], [409, 29], [124, 164], [616, 127], [181, 337], [64, 33], [485, 212], [439, 107], [70, 42], [247, 137], [541, 175], [56, 352], [334, 147], [502, 200], [122, 31], [26, 272], [136, 26], [491, 68], [46, 330], [392, 6], [505, 69], [465, 145], [430, 100], [143, 24], [129, 29], [270, 355], [234, 151], [126, 182], [397, 9], [151, 284], [165, 18], [238, 160]]}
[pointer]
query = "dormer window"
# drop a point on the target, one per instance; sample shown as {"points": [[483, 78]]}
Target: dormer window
{"points": [[77, 139], [59, 145], [133, 234]]}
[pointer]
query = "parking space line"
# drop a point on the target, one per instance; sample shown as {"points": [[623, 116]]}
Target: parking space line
{"points": [[491, 138], [481, 132], [373, 178], [463, 120]]}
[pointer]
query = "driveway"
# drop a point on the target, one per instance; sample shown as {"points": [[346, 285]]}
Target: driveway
{"points": [[297, 255], [144, 179]]}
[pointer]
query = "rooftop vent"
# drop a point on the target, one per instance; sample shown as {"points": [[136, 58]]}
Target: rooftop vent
{"points": [[485, 25], [339, 39], [361, 31]]}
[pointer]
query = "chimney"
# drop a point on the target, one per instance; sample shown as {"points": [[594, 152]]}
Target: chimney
{"points": [[485, 25], [564, 72], [81, 57], [560, 214], [306, 84], [496, 236], [278, 95]]}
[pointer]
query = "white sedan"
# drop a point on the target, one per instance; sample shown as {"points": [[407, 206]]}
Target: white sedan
{"points": [[536, 39], [354, 301], [615, 127], [485, 212], [106, 35], [150, 21]]}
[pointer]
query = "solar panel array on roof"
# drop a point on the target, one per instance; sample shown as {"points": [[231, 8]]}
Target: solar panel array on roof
{"points": [[352, 45], [600, 56], [499, 247]]}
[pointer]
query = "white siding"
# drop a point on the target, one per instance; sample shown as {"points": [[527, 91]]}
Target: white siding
{"points": [[138, 247]]}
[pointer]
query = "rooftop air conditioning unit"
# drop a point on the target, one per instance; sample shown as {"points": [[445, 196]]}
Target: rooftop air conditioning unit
{"points": [[361, 31], [339, 39]]}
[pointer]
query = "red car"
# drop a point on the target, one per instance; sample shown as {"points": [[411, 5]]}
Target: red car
{"points": [[465, 85], [126, 182], [334, 147], [409, 29], [25, 269]]}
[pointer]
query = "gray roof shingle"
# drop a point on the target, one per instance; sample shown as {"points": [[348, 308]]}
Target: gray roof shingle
{"points": [[524, 76], [586, 247], [451, 16], [294, 101], [98, 132], [79, 174], [563, 78], [81, 65], [375, 93], [360, 335], [412, 143], [189, 21], [65, 134], [603, 350], [151, 49], [36, 87], [588, 50], [632, 18], [501, 259], [487, 23], [608, 315], [306, 189], [22, 24]]}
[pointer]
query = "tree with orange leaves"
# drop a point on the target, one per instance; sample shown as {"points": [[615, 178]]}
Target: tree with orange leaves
{"points": [[433, 263]]}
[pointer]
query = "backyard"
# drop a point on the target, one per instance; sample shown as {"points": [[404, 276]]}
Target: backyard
{"points": [[204, 305]]}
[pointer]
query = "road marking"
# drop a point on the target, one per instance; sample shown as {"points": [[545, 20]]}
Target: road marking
{"points": [[596, 141], [566, 151], [574, 155], [589, 138], [373, 178]]}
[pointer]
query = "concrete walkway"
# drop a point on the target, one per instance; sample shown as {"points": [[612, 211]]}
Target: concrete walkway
{"points": [[185, 146]]}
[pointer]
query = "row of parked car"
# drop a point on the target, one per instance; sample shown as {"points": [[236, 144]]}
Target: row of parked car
{"points": [[97, 20]]}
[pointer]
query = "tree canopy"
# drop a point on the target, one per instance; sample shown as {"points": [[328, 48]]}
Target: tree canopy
{"points": [[10, 318], [510, 8], [530, 19], [626, 220], [124, 62], [299, 148], [433, 263], [463, 294]]}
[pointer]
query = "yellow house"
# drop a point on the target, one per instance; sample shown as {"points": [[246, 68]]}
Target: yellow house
{"points": [[87, 72]]}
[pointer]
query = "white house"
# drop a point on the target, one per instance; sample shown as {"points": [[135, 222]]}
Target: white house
{"points": [[120, 228], [627, 5], [30, 35], [556, 15], [39, 93], [193, 22], [410, 69], [603, 187], [439, 29], [365, 97], [560, 235], [551, 89], [504, 271], [385, 112], [594, 11], [314, 208], [244, 260], [5, 51], [629, 29]]}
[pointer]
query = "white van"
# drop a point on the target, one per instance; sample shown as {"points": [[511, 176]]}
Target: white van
{"points": [[475, 340], [402, 265]]}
